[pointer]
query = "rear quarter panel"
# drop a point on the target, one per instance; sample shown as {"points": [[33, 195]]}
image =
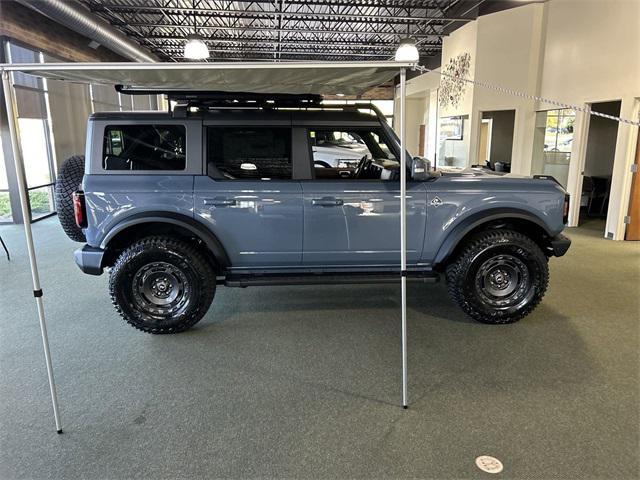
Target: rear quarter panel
{"points": [[112, 198]]}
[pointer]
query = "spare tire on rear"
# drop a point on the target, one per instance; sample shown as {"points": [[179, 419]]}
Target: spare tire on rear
{"points": [[68, 181]]}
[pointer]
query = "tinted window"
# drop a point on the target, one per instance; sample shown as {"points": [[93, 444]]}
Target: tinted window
{"points": [[359, 153], [144, 147], [249, 152]]}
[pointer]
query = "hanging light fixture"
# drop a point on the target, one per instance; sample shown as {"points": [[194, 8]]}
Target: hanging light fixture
{"points": [[195, 48], [407, 51]]}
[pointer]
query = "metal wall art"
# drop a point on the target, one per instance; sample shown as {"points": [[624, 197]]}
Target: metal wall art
{"points": [[452, 85]]}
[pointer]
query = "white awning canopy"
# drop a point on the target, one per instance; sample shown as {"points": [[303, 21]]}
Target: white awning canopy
{"points": [[348, 78]]}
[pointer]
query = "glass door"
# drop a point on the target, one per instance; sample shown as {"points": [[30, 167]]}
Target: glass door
{"points": [[553, 140]]}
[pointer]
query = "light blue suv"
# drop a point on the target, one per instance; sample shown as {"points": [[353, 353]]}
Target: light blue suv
{"points": [[174, 204]]}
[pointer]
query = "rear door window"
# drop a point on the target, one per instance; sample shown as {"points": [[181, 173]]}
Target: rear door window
{"points": [[236, 153], [144, 147]]}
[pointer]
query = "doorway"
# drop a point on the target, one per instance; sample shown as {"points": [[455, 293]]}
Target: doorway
{"points": [[496, 140], [598, 166], [484, 146]]}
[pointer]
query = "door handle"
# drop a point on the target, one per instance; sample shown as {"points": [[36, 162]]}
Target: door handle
{"points": [[327, 202], [220, 202]]}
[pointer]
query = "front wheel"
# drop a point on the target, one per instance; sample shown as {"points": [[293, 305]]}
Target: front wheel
{"points": [[162, 285], [498, 277]]}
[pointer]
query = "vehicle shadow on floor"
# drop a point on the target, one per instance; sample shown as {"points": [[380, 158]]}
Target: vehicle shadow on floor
{"points": [[337, 324]]}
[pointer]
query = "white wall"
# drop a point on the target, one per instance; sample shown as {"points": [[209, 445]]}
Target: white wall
{"points": [[416, 111], [462, 40], [432, 130], [592, 50]]}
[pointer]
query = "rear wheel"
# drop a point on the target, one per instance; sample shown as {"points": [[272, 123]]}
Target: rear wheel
{"points": [[162, 285], [498, 277]]}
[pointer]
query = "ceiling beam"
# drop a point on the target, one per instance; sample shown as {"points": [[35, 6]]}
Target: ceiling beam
{"points": [[287, 30], [331, 16], [293, 41]]}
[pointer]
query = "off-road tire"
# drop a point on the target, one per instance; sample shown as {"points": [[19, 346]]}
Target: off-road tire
{"points": [[141, 270], [68, 181], [485, 257]]}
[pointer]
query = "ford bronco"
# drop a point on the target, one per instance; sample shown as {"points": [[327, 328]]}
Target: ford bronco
{"points": [[228, 191]]}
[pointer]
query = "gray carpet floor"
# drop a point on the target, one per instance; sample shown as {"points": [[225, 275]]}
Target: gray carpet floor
{"points": [[304, 382]]}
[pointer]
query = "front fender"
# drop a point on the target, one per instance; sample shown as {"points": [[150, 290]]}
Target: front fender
{"points": [[460, 229]]}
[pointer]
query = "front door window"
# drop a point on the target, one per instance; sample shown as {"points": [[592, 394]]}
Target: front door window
{"points": [[352, 154]]}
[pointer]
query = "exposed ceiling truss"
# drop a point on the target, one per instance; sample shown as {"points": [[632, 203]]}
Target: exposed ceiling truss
{"points": [[287, 29]]}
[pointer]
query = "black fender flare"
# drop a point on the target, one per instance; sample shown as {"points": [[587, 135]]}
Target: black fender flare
{"points": [[197, 228], [461, 230]]}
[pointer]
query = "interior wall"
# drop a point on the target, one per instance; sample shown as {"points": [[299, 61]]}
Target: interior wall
{"points": [[501, 135], [432, 127], [415, 117], [601, 143]]}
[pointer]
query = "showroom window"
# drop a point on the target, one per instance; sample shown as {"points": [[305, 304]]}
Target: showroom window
{"points": [[249, 153], [5, 201], [453, 141], [553, 140], [36, 138], [144, 147]]}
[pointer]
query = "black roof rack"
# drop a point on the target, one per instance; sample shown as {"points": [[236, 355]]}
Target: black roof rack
{"points": [[206, 99], [185, 100]]}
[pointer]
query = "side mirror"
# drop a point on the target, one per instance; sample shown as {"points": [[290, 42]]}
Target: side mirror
{"points": [[420, 169]]}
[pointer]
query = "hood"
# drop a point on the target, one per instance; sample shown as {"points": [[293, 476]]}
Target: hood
{"points": [[474, 172], [482, 174]]}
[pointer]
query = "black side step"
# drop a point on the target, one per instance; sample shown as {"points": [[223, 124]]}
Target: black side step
{"points": [[255, 280]]}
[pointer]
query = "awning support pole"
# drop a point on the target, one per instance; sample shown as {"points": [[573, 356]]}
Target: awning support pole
{"points": [[403, 233], [22, 189]]}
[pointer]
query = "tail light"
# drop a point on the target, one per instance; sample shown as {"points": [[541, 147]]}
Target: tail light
{"points": [[79, 209], [565, 209]]}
